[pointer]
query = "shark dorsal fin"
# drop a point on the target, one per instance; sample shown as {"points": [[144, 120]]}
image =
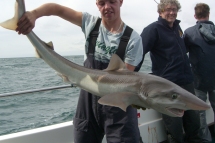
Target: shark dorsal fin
{"points": [[115, 64], [49, 45]]}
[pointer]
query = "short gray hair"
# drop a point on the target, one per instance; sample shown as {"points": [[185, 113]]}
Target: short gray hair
{"points": [[164, 3]]}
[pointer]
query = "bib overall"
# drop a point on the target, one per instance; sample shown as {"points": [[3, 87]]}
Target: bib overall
{"points": [[92, 120]]}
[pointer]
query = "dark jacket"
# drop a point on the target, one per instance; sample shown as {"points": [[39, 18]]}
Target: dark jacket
{"points": [[167, 51], [200, 41]]}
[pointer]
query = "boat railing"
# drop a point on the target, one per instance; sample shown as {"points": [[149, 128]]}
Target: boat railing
{"points": [[36, 90]]}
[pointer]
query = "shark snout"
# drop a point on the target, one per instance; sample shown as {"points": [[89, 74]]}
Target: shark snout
{"points": [[198, 105], [194, 103]]}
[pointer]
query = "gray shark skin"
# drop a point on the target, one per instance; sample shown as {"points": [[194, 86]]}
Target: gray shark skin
{"points": [[116, 85]]}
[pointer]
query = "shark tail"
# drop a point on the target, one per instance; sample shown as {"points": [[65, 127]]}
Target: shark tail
{"points": [[11, 24]]}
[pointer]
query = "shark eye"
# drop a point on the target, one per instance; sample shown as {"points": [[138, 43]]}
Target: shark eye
{"points": [[174, 96]]}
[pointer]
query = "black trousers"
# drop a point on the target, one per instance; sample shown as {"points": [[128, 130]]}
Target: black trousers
{"points": [[189, 123], [92, 121]]}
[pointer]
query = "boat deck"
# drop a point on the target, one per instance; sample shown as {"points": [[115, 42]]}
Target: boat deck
{"points": [[150, 125], [211, 128]]}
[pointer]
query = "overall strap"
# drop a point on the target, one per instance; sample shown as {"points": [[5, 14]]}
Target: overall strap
{"points": [[93, 37], [122, 45], [124, 42]]}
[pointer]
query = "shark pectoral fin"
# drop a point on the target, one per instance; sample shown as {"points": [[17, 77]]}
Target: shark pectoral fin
{"points": [[120, 99], [115, 64], [37, 54], [65, 78]]}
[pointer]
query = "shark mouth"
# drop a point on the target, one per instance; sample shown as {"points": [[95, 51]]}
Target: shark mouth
{"points": [[175, 111]]}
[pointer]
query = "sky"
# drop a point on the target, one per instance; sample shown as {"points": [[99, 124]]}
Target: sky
{"points": [[68, 39]]}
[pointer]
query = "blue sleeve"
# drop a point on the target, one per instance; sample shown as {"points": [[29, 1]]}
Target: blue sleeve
{"points": [[149, 39], [186, 40]]}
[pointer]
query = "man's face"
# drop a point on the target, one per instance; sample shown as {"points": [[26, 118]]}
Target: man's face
{"points": [[170, 13], [109, 9]]}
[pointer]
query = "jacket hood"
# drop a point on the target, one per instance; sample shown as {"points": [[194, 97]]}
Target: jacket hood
{"points": [[207, 30]]}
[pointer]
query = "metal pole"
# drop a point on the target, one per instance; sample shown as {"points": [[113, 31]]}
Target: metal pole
{"points": [[36, 90]]}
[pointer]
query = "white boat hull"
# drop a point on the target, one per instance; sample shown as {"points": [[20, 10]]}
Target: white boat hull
{"points": [[150, 125]]}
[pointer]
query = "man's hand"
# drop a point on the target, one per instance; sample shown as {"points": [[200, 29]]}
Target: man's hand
{"points": [[138, 107], [26, 23]]}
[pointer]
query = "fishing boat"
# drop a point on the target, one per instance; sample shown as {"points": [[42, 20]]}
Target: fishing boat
{"points": [[150, 125]]}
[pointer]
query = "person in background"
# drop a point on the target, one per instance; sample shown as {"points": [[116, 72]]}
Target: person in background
{"points": [[200, 42], [92, 121], [164, 40]]}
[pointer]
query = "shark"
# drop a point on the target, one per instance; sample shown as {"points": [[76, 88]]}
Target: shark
{"points": [[116, 85]]}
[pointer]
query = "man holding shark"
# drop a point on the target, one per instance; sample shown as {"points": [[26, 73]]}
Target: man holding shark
{"points": [[92, 120]]}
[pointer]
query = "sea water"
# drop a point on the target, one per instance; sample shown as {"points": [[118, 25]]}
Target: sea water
{"points": [[34, 110]]}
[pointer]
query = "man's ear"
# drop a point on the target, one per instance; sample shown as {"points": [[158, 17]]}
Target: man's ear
{"points": [[97, 4], [160, 12], [195, 16], [121, 1]]}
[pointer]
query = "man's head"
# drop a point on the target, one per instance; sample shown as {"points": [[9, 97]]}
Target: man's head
{"points": [[202, 11], [109, 9], [168, 10]]}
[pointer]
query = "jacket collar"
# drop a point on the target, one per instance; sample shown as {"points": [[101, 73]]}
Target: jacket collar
{"points": [[206, 22], [165, 23]]}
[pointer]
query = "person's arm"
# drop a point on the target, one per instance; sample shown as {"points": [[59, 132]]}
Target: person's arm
{"points": [[27, 22], [186, 40], [149, 39], [142, 45], [134, 51], [130, 67]]}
